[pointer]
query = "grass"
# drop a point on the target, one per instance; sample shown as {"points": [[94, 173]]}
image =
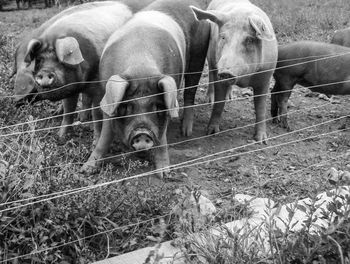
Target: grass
{"points": [[124, 207], [247, 244]]}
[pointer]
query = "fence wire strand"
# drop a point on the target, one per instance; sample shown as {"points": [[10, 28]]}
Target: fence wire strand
{"points": [[84, 238], [193, 162], [154, 218], [147, 113], [189, 87], [318, 58], [137, 151]]}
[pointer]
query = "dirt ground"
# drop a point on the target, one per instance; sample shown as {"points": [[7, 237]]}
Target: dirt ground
{"points": [[282, 171], [272, 172], [291, 166]]}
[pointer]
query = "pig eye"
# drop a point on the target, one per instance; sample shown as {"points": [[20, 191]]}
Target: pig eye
{"points": [[125, 109], [249, 41], [122, 110], [38, 63], [158, 108], [222, 37], [129, 109]]}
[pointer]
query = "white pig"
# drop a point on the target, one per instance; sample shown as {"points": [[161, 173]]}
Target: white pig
{"points": [[242, 51]]}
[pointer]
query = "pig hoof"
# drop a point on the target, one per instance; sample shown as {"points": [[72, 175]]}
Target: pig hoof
{"points": [[210, 99], [84, 117], [186, 131], [155, 180], [286, 126], [65, 132], [88, 168], [261, 137], [213, 129], [275, 120]]}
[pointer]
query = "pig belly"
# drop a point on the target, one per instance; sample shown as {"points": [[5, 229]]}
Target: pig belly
{"points": [[336, 89], [319, 78]]}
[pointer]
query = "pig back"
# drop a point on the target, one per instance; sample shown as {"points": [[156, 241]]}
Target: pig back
{"points": [[342, 37], [315, 63], [91, 27], [196, 32], [24, 81], [142, 49]]}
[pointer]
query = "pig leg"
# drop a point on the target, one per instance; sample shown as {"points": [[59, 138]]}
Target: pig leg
{"points": [[97, 117], [260, 85], [196, 64], [219, 104], [211, 91], [86, 104], [189, 96], [274, 103], [102, 147], [282, 106], [161, 158], [69, 105], [279, 100]]}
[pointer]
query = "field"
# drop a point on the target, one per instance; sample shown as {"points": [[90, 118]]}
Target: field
{"points": [[109, 220]]}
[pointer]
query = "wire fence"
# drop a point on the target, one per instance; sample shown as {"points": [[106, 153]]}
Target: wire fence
{"points": [[189, 163], [149, 96], [179, 142], [142, 114], [225, 154], [169, 214]]}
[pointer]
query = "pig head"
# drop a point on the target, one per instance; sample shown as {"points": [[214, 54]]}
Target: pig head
{"points": [[56, 63], [236, 46], [142, 120]]}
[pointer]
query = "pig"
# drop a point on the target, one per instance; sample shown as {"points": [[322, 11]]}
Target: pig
{"points": [[24, 85], [242, 51], [312, 67], [341, 37], [145, 63], [24, 81], [68, 52]]}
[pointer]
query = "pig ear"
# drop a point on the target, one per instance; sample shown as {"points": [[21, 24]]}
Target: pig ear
{"points": [[214, 16], [24, 82], [32, 47], [262, 31], [115, 90], [168, 85], [68, 51]]}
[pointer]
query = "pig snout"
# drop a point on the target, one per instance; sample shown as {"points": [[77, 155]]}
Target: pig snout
{"points": [[141, 139], [45, 78], [227, 76]]}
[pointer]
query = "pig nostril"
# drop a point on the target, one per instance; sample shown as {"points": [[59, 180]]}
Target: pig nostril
{"points": [[51, 76], [226, 75]]}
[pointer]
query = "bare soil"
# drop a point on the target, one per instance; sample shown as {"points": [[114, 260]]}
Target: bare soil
{"points": [[282, 170]]}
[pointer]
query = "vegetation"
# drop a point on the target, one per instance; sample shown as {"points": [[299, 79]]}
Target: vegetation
{"points": [[110, 220]]}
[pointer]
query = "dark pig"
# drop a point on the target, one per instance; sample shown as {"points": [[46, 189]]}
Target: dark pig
{"points": [[341, 37], [25, 85], [313, 67], [242, 51], [146, 62], [67, 52], [24, 81]]}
